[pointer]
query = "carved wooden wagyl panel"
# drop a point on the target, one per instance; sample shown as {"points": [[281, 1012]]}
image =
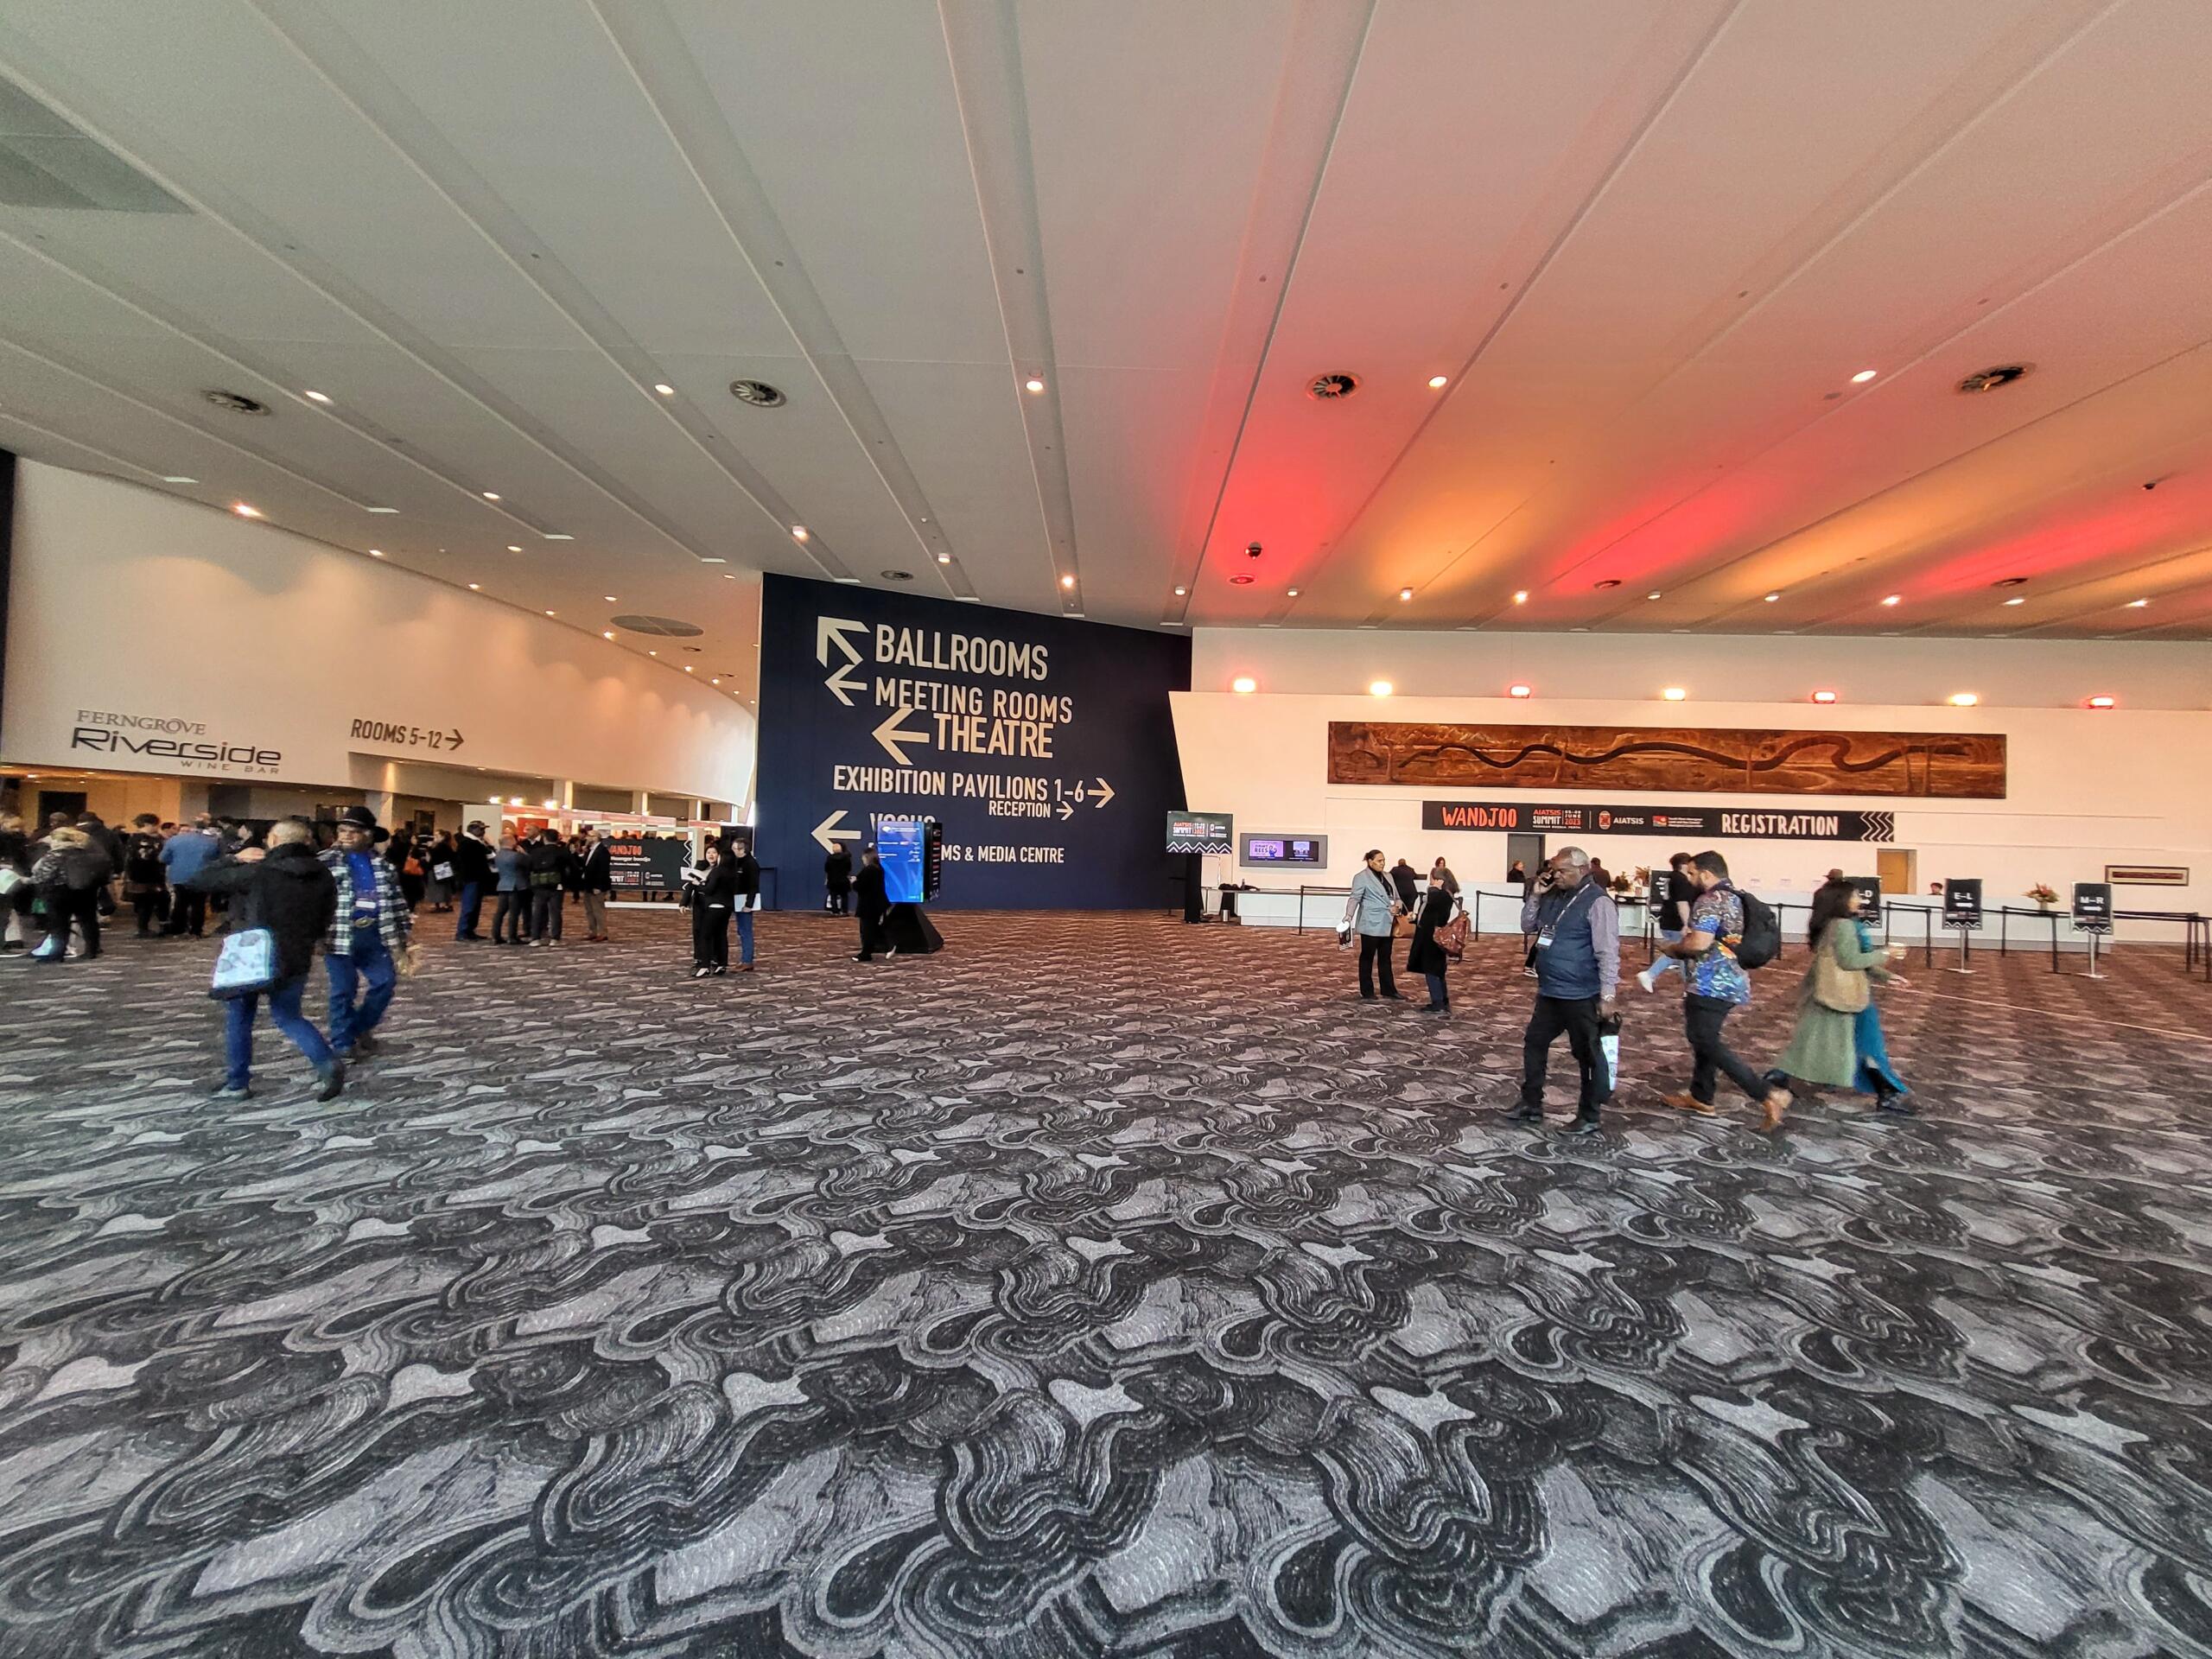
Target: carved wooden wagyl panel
{"points": [[1939, 765]]}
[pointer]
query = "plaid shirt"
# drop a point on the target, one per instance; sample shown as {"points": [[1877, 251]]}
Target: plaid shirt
{"points": [[394, 920]]}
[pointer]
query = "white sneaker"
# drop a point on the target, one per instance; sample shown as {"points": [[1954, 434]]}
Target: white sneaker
{"points": [[1646, 979]]}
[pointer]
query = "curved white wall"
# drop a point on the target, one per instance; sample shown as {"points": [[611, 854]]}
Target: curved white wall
{"points": [[256, 642]]}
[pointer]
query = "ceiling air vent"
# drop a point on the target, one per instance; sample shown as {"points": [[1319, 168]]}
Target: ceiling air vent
{"points": [[661, 627], [757, 393], [897, 576], [44, 161], [1332, 388], [1989, 379], [237, 402]]}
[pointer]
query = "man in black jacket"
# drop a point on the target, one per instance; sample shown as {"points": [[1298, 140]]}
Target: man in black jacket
{"points": [[837, 876], [746, 898], [598, 882], [288, 890], [472, 870], [874, 905], [546, 857]]}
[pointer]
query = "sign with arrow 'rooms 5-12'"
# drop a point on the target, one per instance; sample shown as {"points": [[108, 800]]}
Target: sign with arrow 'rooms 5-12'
{"points": [[1044, 747]]}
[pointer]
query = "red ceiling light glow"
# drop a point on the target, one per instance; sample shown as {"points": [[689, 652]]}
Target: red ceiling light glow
{"points": [[1521, 597], [1894, 599], [1240, 582], [1243, 685], [1864, 376], [1437, 381], [1823, 696], [1405, 594], [2101, 701], [244, 511]]}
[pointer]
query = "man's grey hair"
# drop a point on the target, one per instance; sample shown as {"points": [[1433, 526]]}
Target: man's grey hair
{"points": [[290, 832], [1574, 856]]}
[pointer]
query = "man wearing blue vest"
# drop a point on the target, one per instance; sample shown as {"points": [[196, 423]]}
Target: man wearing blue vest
{"points": [[1574, 941]]}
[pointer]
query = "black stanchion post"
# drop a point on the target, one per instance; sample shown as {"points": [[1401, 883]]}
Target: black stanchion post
{"points": [[2053, 942]]}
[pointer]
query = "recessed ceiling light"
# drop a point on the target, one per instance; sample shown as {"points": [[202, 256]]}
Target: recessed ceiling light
{"points": [[847, 582], [2103, 701], [1519, 691], [1437, 381], [1864, 376], [244, 511], [2136, 604], [1179, 592], [1405, 593], [511, 548], [179, 478], [1521, 597], [376, 552], [944, 558], [688, 668], [1823, 696], [664, 388], [490, 495], [549, 612], [548, 535], [708, 560], [1771, 598], [2016, 600], [652, 653], [1652, 595], [607, 634], [1609, 582], [1067, 581], [1291, 593], [1894, 599], [611, 599], [476, 587], [968, 598], [714, 681], [1244, 685], [372, 509], [1379, 689], [1033, 384], [799, 532], [1673, 694], [1964, 699], [1240, 582]]}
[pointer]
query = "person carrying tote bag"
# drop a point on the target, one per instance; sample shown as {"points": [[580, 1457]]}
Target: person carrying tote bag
{"points": [[283, 900], [1835, 996]]}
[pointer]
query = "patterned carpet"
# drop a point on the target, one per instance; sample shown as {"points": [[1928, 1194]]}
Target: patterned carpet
{"points": [[1103, 1288]]}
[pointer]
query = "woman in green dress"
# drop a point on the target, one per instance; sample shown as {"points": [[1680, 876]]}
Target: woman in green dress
{"points": [[1838, 1038]]}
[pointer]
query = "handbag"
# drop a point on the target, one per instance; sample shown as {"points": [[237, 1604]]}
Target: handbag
{"points": [[246, 964], [442, 871], [1451, 937], [10, 880]]}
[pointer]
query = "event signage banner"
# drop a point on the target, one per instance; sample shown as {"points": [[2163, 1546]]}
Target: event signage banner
{"points": [[647, 863], [1201, 832], [1044, 747], [1721, 822]]}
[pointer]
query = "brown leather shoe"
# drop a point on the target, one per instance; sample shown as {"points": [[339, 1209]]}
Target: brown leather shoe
{"points": [[1687, 1103], [1774, 1106]]}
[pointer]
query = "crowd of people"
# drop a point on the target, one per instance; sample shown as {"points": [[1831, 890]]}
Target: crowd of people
{"points": [[1714, 936]]}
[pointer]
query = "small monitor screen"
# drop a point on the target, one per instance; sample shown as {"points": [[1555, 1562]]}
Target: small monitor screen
{"points": [[1312, 851]]}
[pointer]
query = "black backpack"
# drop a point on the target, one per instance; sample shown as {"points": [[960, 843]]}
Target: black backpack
{"points": [[1762, 940]]}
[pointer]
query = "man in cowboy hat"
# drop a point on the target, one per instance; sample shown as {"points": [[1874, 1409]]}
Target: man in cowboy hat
{"points": [[367, 934]]}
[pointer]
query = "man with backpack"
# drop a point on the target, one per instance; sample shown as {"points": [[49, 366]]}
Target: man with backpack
{"points": [[547, 859], [1727, 934]]}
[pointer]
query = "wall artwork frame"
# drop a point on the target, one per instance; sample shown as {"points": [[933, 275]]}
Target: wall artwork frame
{"points": [[2146, 875], [1935, 765]]}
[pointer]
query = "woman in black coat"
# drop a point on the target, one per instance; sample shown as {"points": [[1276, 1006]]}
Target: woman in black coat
{"points": [[1427, 955], [713, 896]]}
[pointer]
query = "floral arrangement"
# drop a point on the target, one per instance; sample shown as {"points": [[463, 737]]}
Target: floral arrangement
{"points": [[2044, 894]]}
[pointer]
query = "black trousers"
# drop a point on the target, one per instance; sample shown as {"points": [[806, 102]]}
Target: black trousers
{"points": [[1578, 1017], [1373, 949], [148, 906], [709, 936], [515, 904], [545, 913], [839, 901], [187, 912], [874, 936], [78, 905], [1703, 1019]]}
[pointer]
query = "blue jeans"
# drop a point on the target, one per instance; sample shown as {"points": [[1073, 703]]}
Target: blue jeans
{"points": [[284, 1009], [1438, 992], [745, 936], [370, 961], [472, 900], [1669, 964]]}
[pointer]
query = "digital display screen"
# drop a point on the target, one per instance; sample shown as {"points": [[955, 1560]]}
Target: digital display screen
{"points": [[898, 845], [1304, 850]]}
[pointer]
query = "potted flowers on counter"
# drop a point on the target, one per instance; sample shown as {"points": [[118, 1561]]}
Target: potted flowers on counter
{"points": [[2044, 894]]}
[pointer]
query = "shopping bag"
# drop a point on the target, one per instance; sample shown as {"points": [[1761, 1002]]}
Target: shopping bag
{"points": [[247, 964], [1609, 1047]]}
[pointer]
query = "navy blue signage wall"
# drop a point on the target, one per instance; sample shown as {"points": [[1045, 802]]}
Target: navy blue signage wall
{"points": [[1044, 747]]}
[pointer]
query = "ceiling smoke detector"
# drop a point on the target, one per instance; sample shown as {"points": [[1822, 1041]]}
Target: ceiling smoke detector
{"points": [[1989, 379], [662, 627], [757, 393], [237, 402], [1329, 388], [896, 576]]}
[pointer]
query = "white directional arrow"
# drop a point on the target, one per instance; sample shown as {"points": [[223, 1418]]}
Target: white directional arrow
{"points": [[1066, 812], [1105, 792], [828, 835], [844, 684], [891, 734], [829, 629]]}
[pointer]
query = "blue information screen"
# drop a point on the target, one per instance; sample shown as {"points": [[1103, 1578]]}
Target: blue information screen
{"points": [[899, 844]]}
